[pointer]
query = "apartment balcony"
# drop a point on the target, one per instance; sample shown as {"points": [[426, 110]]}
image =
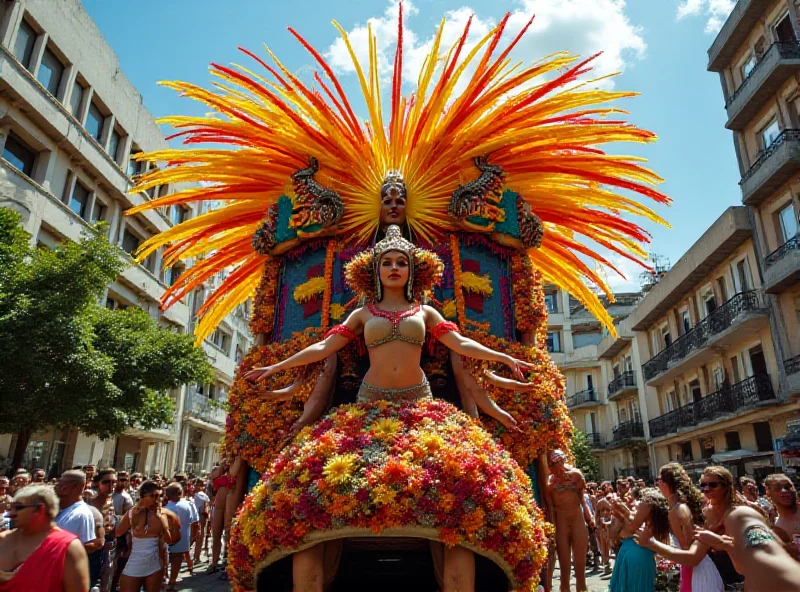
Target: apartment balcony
{"points": [[583, 399], [779, 63], [734, 32], [774, 167], [623, 384], [627, 432], [719, 405], [782, 266], [740, 317], [596, 440], [200, 407]]}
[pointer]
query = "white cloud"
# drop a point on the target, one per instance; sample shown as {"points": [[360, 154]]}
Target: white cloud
{"points": [[714, 11], [582, 27], [632, 271]]}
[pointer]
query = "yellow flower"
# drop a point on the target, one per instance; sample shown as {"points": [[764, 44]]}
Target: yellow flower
{"points": [[339, 467], [310, 289], [383, 494], [387, 428], [450, 309], [477, 284], [432, 442], [304, 477], [337, 311]]}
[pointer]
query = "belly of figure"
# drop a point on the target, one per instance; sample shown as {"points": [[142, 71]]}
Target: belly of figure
{"points": [[395, 365]]}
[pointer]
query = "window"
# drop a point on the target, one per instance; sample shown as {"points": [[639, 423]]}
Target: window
{"points": [[98, 211], [23, 48], [665, 336], [79, 200], [75, 100], [788, 222], [723, 290], [687, 322], [239, 354], [553, 342], [113, 144], [686, 451], [178, 215], [735, 369], [763, 436], [748, 67], [134, 167], [19, 155], [743, 275], [711, 304], [551, 303], [94, 122], [732, 441], [172, 274], [707, 447], [784, 30], [50, 71], [623, 415], [770, 133], [130, 242], [222, 340]]}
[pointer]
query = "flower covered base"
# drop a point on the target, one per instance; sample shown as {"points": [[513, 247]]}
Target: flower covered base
{"points": [[419, 469]]}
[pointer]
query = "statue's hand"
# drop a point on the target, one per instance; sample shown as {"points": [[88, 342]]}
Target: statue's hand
{"points": [[284, 394], [260, 374], [518, 367]]}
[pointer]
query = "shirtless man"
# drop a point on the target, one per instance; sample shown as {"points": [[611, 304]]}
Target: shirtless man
{"points": [[565, 488], [784, 498], [603, 518]]}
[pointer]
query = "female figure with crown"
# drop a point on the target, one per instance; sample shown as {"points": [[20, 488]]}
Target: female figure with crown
{"points": [[397, 460]]}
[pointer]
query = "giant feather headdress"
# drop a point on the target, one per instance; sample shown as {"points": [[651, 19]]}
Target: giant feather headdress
{"points": [[539, 122]]}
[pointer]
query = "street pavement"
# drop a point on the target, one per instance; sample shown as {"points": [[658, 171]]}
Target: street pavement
{"points": [[203, 582]]}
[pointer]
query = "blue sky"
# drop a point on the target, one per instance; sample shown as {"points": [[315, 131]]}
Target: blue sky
{"points": [[659, 45]]}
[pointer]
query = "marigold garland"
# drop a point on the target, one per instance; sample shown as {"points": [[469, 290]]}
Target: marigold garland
{"points": [[263, 317], [256, 427]]}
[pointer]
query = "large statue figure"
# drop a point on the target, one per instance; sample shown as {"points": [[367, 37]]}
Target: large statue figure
{"points": [[496, 171]]}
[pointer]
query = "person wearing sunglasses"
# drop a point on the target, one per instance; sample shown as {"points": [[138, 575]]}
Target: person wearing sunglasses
{"points": [[39, 555], [698, 571], [150, 529], [783, 494]]}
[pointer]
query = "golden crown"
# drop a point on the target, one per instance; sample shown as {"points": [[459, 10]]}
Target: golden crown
{"points": [[394, 241]]}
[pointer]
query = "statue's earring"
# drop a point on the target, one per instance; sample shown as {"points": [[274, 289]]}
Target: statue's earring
{"points": [[410, 284], [378, 290]]}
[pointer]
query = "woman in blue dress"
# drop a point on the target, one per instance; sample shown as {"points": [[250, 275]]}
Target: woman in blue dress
{"points": [[635, 568]]}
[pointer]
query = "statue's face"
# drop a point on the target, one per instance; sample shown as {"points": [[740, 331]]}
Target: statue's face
{"points": [[393, 204], [393, 269]]}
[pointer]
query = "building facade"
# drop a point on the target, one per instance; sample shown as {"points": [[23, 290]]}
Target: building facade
{"points": [[600, 392], [69, 123]]}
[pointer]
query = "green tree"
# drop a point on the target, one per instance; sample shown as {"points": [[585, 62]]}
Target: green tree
{"points": [[65, 360], [584, 458]]}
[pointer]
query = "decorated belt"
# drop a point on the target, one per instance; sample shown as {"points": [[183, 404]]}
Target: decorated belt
{"points": [[368, 393]]}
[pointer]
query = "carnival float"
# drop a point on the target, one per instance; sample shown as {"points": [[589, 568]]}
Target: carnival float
{"points": [[491, 178]]}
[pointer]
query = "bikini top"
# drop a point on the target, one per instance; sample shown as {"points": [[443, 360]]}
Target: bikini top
{"points": [[388, 325]]}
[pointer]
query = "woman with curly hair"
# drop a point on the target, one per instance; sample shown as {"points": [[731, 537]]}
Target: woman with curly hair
{"points": [[635, 568], [698, 572]]}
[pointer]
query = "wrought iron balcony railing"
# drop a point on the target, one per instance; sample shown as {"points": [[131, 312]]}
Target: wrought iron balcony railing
{"points": [[779, 253], [596, 440], [623, 381], [579, 398], [791, 135], [728, 399], [201, 407], [786, 50], [627, 430], [715, 323], [792, 365]]}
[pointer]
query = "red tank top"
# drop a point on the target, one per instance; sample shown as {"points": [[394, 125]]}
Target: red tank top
{"points": [[43, 570]]}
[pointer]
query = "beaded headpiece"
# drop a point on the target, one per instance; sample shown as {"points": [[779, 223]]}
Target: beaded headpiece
{"points": [[393, 185], [425, 267]]}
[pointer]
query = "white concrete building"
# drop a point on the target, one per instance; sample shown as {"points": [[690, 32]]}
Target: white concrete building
{"points": [[69, 121]]}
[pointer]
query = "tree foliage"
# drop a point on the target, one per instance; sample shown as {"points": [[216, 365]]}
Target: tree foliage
{"points": [[584, 457], [65, 360]]}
